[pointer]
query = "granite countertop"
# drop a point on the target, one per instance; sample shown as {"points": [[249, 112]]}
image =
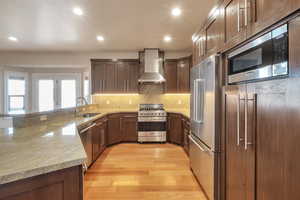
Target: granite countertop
{"points": [[31, 151]]}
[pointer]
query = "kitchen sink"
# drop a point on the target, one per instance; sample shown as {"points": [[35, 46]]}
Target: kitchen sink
{"points": [[87, 115]]}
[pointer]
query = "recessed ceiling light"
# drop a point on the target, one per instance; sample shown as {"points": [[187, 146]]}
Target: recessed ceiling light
{"points": [[77, 11], [12, 38], [100, 38], [167, 38], [176, 12]]}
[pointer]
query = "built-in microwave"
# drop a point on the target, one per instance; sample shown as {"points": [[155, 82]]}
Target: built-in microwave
{"points": [[265, 57]]}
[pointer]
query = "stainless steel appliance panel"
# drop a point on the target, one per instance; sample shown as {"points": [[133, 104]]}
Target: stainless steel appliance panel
{"points": [[205, 167], [203, 89]]}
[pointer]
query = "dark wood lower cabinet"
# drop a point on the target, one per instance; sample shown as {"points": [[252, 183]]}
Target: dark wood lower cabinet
{"points": [[240, 168], [114, 134], [186, 133], [129, 128], [99, 138], [262, 140], [87, 141], [174, 128], [66, 184]]}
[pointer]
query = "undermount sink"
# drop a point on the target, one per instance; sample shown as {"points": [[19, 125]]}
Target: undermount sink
{"points": [[87, 115]]}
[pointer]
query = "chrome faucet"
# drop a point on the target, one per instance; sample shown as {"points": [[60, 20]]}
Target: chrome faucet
{"points": [[81, 101]]}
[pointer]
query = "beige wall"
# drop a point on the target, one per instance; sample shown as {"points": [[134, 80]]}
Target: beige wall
{"points": [[67, 59], [58, 62], [1, 91], [131, 102]]}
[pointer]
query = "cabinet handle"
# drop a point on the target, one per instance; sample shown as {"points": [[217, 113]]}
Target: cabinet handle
{"points": [[246, 13], [238, 19], [84, 167], [239, 139], [246, 120], [100, 85]]}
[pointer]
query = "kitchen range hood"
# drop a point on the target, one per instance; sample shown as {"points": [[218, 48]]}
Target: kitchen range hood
{"points": [[152, 65]]}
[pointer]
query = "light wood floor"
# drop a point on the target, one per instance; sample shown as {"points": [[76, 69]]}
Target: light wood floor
{"points": [[144, 172]]}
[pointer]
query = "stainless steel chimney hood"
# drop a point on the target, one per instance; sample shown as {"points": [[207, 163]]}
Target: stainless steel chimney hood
{"points": [[152, 67]]}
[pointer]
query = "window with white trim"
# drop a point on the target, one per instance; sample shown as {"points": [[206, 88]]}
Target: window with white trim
{"points": [[15, 92], [55, 91]]}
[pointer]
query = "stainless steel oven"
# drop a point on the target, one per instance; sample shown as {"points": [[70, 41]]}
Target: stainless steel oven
{"points": [[152, 120], [264, 58]]}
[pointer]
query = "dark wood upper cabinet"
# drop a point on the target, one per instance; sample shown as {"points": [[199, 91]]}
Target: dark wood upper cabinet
{"points": [[133, 77], [129, 128], [115, 77], [171, 76], [233, 12], [177, 74], [263, 13], [199, 46], [122, 76], [98, 77], [183, 74], [214, 33]]}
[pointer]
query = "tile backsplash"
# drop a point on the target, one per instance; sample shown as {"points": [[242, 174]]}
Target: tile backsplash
{"points": [[132, 101]]}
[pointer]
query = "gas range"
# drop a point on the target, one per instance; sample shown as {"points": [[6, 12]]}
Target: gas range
{"points": [[152, 112], [152, 119]]}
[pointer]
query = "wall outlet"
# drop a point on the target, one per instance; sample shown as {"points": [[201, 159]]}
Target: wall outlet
{"points": [[43, 118], [179, 102], [107, 102]]}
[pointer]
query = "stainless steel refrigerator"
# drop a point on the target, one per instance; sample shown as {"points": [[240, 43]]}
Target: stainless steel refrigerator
{"points": [[205, 127]]}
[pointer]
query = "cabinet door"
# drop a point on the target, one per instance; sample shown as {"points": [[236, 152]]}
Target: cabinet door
{"points": [[214, 33], [240, 166], [186, 132], [103, 132], [233, 12], [277, 139], [110, 82], [263, 13], [98, 77], [183, 75], [87, 141], [122, 69], [171, 76], [129, 128], [134, 68], [96, 141], [175, 129], [114, 135]]}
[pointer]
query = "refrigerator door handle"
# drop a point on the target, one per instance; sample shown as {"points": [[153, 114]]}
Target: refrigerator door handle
{"points": [[196, 143]]}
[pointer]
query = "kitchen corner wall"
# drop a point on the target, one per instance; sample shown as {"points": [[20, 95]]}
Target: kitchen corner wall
{"points": [[1, 91], [172, 102]]}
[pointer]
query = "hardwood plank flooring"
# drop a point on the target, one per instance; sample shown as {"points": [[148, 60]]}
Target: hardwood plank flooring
{"points": [[144, 172]]}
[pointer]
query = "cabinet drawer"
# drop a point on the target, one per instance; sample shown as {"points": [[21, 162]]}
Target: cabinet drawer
{"points": [[150, 134]]}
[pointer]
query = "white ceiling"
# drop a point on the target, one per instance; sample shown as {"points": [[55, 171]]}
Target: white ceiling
{"points": [[50, 25]]}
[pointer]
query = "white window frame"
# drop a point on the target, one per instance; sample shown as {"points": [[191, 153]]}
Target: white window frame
{"points": [[56, 77], [87, 75], [23, 75]]}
